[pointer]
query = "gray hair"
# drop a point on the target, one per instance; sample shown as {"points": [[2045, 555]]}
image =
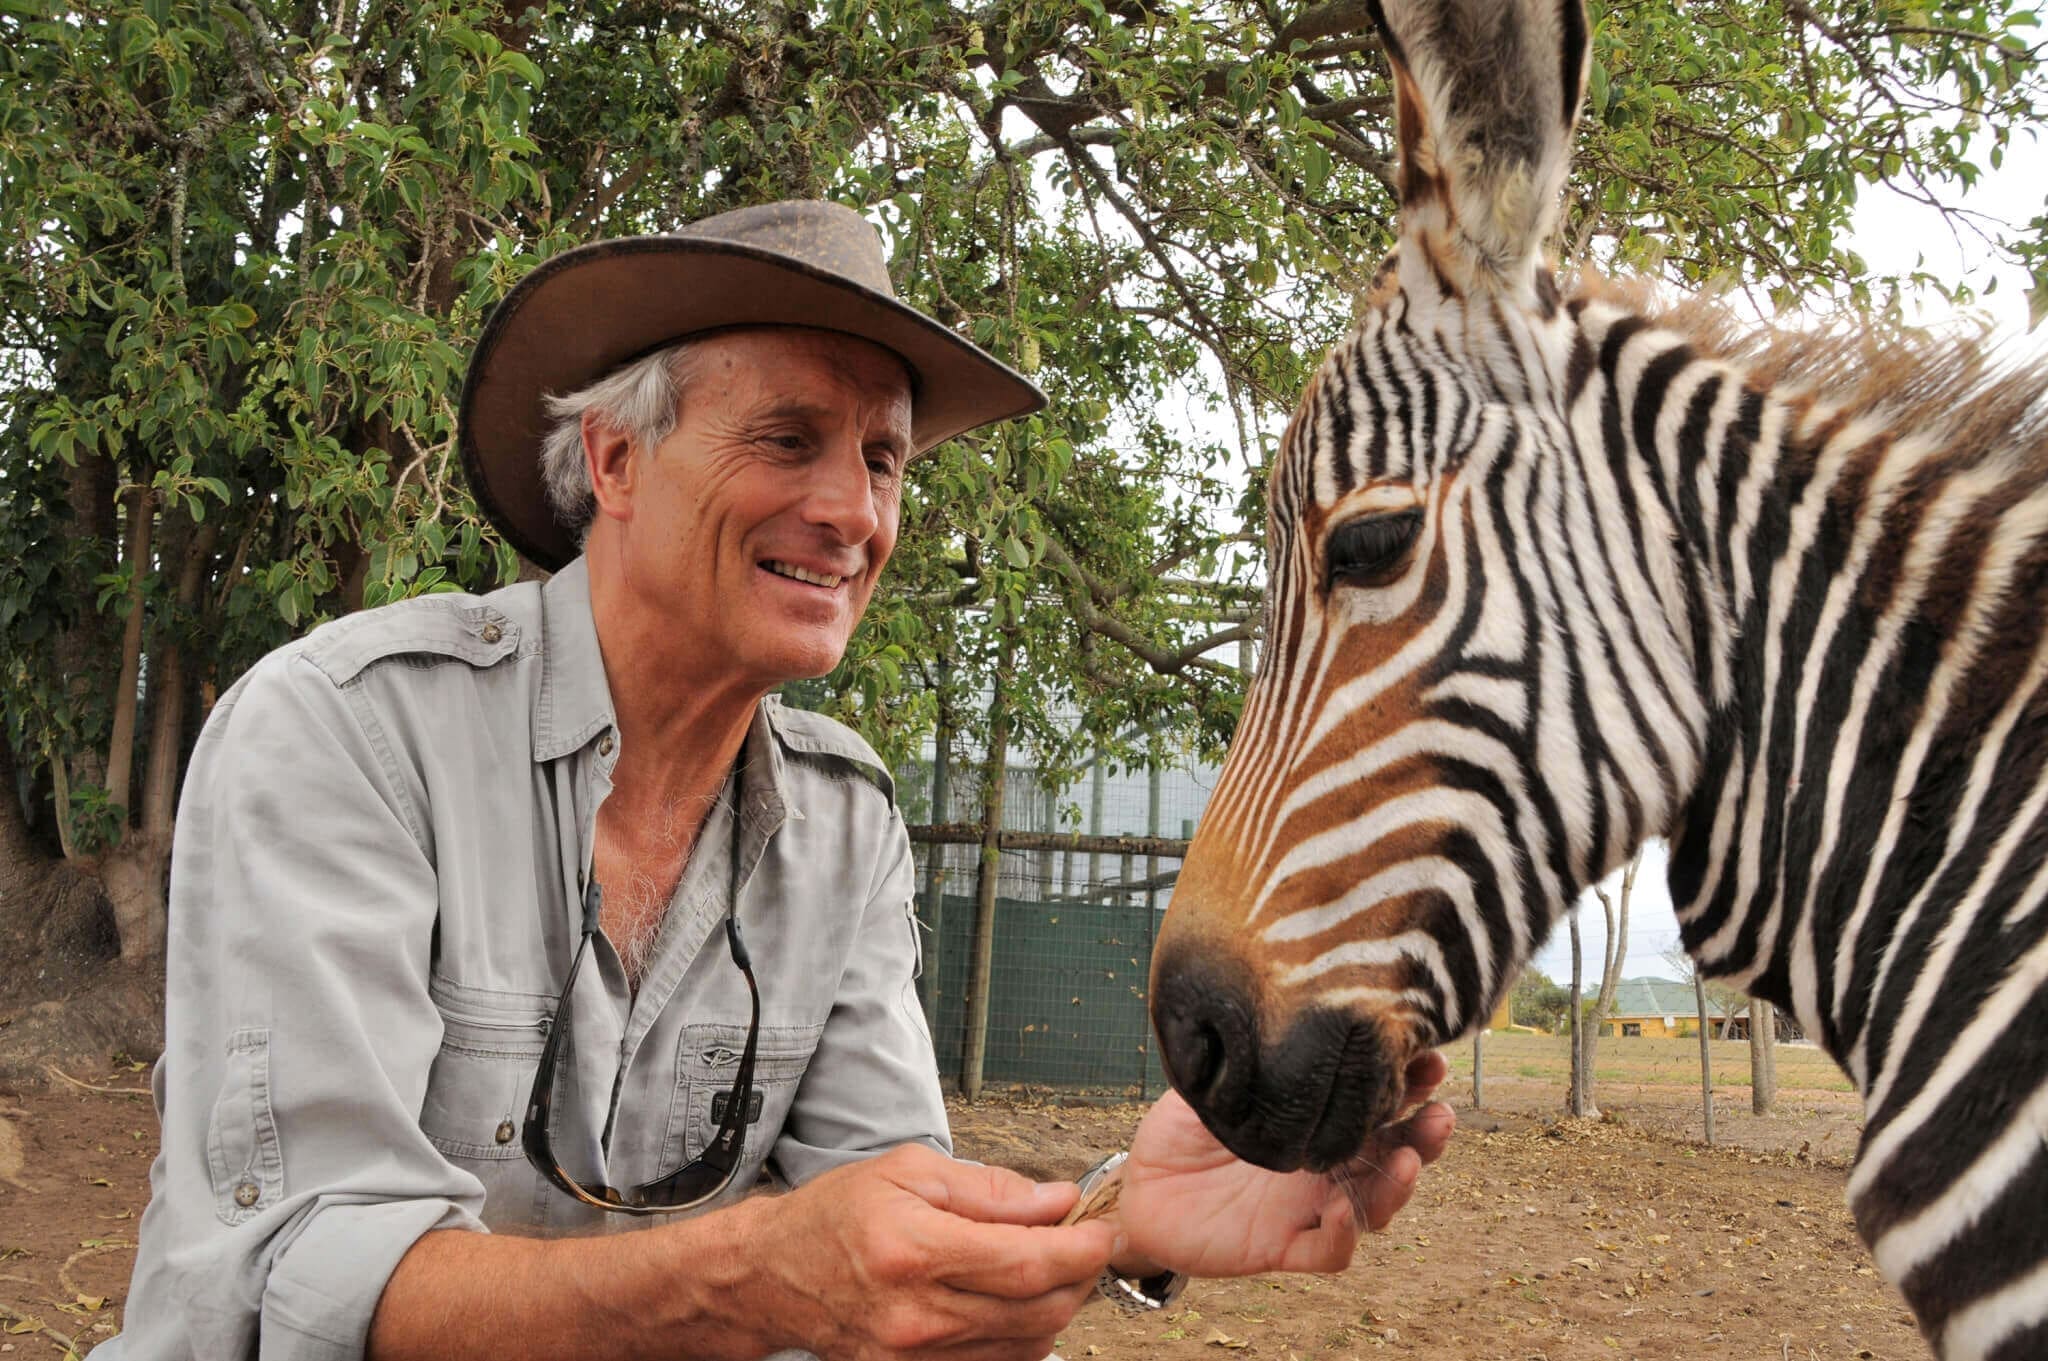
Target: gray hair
{"points": [[641, 398]]}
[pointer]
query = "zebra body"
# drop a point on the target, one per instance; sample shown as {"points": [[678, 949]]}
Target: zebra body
{"points": [[1549, 577]]}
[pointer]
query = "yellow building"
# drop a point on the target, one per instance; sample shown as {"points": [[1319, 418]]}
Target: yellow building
{"points": [[1503, 1015], [1656, 1007]]}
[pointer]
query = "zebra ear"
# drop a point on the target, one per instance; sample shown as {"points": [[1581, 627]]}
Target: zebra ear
{"points": [[1486, 94]]}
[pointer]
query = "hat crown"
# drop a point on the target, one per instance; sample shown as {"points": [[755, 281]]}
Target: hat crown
{"points": [[827, 236]]}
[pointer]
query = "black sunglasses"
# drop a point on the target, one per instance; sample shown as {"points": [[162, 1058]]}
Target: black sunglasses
{"points": [[705, 1175]]}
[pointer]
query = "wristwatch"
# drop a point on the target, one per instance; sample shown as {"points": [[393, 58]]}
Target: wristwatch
{"points": [[1100, 1189]]}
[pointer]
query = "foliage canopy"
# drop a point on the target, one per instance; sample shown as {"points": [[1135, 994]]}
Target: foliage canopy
{"points": [[247, 243]]}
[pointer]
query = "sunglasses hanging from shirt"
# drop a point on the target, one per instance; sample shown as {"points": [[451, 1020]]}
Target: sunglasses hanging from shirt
{"points": [[710, 1172]]}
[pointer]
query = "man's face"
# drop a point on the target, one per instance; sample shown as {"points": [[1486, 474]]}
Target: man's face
{"points": [[756, 531]]}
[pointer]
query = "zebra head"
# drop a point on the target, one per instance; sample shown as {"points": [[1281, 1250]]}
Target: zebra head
{"points": [[1417, 788]]}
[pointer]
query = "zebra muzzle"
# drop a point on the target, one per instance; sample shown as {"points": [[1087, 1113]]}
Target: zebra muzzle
{"points": [[1306, 1093]]}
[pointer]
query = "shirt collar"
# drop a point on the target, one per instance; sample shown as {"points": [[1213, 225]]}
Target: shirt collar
{"points": [[574, 704]]}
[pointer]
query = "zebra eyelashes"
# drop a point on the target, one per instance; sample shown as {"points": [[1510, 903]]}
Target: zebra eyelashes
{"points": [[1371, 550]]}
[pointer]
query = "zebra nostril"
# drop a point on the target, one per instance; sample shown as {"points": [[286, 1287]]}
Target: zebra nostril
{"points": [[1193, 1051], [1207, 1039]]}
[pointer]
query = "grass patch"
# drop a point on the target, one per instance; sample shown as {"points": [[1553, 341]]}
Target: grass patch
{"points": [[1651, 1062]]}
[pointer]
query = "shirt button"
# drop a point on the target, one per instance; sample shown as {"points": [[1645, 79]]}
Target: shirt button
{"points": [[246, 1194], [492, 633], [505, 1131], [605, 745]]}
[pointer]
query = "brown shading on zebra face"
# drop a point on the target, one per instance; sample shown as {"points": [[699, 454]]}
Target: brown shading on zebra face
{"points": [[1341, 907], [1358, 889]]}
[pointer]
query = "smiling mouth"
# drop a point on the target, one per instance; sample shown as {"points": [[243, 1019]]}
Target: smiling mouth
{"points": [[795, 573]]}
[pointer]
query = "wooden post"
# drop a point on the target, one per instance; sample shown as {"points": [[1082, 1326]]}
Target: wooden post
{"points": [[974, 1041], [1050, 818], [1151, 829], [1096, 787], [1699, 992], [1479, 1069], [1576, 1103], [1763, 1058], [930, 985]]}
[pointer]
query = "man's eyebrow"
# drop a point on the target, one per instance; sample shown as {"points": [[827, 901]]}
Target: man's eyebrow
{"points": [[791, 408]]}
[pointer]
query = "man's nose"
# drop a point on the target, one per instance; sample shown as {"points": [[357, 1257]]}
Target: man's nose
{"points": [[842, 493]]}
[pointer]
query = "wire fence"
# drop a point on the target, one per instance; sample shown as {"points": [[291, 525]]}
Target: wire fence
{"points": [[1081, 882]]}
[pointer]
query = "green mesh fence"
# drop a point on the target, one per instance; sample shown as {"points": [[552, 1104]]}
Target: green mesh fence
{"points": [[1066, 995]]}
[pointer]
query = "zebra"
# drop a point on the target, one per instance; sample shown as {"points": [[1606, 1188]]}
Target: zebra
{"points": [[1550, 576]]}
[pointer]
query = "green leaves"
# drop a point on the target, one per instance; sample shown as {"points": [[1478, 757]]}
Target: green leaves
{"points": [[247, 251]]}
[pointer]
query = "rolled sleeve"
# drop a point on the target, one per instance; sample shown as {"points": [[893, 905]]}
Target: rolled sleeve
{"points": [[300, 1032], [873, 1083]]}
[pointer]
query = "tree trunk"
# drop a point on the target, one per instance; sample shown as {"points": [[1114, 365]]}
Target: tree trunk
{"points": [[168, 689], [90, 487], [931, 983], [23, 865], [121, 744], [1613, 955], [974, 1046], [134, 875], [1763, 1056], [1699, 992], [1580, 1100], [1479, 1069]]}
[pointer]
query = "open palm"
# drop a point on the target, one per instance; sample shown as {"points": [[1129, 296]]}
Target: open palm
{"points": [[1188, 1203]]}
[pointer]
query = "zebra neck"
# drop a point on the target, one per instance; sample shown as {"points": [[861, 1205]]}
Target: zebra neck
{"points": [[1872, 804]]}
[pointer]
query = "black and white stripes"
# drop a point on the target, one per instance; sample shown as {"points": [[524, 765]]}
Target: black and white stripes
{"points": [[1781, 602]]}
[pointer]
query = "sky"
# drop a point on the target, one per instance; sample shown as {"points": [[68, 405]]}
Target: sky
{"points": [[1893, 234]]}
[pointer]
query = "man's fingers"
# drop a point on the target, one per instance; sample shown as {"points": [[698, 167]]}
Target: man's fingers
{"points": [[1000, 1327], [1386, 1193], [989, 1195], [1429, 1130], [1020, 1263], [1329, 1245], [1424, 1073]]}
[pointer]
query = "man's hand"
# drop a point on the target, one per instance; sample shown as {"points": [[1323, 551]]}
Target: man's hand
{"points": [[913, 1254], [1189, 1204]]}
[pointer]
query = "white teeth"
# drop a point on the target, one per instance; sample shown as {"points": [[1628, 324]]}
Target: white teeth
{"points": [[784, 569]]}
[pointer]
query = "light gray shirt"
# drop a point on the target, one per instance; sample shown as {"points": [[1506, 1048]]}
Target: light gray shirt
{"points": [[381, 849]]}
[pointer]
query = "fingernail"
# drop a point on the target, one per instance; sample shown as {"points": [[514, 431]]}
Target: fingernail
{"points": [[1116, 1249]]}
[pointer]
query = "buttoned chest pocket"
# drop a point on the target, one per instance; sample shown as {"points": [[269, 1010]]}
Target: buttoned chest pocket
{"points": [[477, 1091], [708, 1064]]}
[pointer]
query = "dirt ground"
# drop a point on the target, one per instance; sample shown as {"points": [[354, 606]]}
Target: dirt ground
{"points": [[1535, 1239]]}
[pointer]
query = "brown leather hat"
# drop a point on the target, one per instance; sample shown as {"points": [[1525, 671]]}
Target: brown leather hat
{"points": [[584, 312]]}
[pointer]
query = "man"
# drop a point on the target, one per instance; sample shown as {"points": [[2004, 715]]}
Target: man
{"points": [[531, 913]]}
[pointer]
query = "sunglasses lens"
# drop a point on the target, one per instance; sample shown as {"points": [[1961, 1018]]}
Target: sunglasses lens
{"points": [[690, 1185]]}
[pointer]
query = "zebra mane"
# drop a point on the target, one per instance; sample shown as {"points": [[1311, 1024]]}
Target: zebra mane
{"points": [[1983, 402]]}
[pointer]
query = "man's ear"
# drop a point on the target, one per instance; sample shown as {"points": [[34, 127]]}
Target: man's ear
{"points": [[1486, 97], [614, 471]]}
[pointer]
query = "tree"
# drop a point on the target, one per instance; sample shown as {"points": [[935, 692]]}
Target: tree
{"points": [[247, 244], [1539, 1003], [1763, 1056], [1613, 954]]}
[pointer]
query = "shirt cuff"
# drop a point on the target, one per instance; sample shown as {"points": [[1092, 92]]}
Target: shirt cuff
{"points": [[323, 1289]]}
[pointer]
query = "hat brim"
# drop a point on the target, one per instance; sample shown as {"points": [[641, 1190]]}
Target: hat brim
{"points": [[582, 313]]}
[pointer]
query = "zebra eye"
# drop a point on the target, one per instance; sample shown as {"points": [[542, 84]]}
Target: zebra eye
{"points": [[1364, 552]]}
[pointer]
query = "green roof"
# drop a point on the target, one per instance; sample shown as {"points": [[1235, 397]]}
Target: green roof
{"points": [[1656, 997]]}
